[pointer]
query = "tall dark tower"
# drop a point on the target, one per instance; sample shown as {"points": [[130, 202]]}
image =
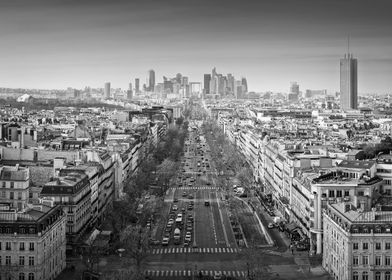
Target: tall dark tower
{"points": [[137, 85], [151, 80], [348, 81], [207, 80]]}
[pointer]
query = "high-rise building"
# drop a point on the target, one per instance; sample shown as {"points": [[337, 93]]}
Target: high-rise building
{"points": [[244, 85], [294, 92], [230, 83], [151, 80], [107, 90], [348, 82], [207, 80], [130, 92], [137, 85], [184, 80]]}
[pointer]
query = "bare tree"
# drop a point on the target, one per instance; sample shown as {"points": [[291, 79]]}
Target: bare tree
{"points": [[134, 239]]}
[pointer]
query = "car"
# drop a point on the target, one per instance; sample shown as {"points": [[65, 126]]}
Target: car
{"points": [[175, 207], [217, 275], [183, 210], [208, 184], [165, 241], [190, 207], [170, 222], [154, 242], [166, 234], [190, 196], [190, 217], [175, 199], [191, 202], [189, 227], [188, 237], [271, 225], [147, 196], [206, 203], [186, 243], [184, 194]]}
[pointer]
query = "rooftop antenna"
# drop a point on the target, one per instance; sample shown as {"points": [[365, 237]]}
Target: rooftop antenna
{"points": [[348, 45]]}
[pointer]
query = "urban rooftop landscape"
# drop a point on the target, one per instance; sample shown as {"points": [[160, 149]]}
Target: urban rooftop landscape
{"points": [[195, 140]]}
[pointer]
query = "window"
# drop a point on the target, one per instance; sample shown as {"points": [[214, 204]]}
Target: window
{"points": [[8, 260], [11, 195], [365, 275], [346, 193], [331, 193], [31, 246], [355, 246], [12, 185], [31, 276], [21, 276], [387, 275], [378, 246], [355, 261], [3, 184], [19, 195], [360, 193], [21, 260], [378, 260], [3, 194], [21, 246], [355, 275], [31, 261], [387, 260], [365, 260], [387, 246], [8, 246], [378, 275], [339, 193], [365, 246]]}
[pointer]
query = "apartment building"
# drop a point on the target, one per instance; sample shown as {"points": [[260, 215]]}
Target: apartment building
{"points": [[73, 193], [357, 242], [32, 243], [14, 184]]}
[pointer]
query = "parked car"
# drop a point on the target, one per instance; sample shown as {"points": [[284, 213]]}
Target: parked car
{"points": [[271, 225], [206, 203], [175, 207]]}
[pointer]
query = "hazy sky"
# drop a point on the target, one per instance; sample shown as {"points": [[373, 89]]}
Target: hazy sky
{"points": [[77, 43]]}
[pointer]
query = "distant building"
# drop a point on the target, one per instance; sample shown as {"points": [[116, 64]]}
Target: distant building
{"points": [[348, 82], [137, 85], [294, 92], [107, 90], [151, 80], [244, 85]]}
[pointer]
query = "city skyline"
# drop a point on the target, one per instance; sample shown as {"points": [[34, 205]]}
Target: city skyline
{"points": [[60, 44]]}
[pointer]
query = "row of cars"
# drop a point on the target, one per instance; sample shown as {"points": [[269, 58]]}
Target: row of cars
{"points": [[182, 222]]}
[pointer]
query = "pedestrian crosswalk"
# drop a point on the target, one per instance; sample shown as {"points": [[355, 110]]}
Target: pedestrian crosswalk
{"points": [[194, 250], [194, 188], [190, 273]]}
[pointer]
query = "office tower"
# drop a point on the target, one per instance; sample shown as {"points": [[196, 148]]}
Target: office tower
{"points": [[207, 80], [107, 90], [151, 80], [214, 82], [238, 89], [168, 86], [230, 83], [294, 92], [130, 92], [221, 85], [348, 82], [178, 78], [137, 85], [244, 85], [184, 80]]}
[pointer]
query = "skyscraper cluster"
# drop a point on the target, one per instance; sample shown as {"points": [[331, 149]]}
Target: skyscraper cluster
{"points": [[221, 85]]}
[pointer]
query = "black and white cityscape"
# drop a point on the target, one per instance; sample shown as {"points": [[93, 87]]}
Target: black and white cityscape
{"points": [[195, 139]]}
